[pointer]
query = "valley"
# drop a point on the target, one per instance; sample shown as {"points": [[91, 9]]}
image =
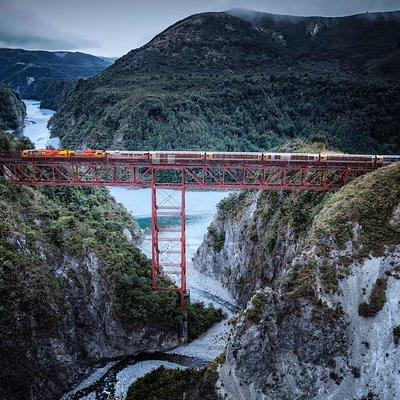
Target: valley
{"points": [[293, 292], [201, 206]]}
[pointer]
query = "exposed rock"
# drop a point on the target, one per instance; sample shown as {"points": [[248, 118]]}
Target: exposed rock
{"points": [[262, 233], [301, 335]]}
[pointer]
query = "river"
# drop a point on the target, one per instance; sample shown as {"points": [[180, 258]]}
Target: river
{"points": [[116, 377]]}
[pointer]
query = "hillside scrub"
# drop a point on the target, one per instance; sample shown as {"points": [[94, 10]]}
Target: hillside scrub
{"points": [[201, 318], [323, 312], [58, 245], [42, 74], [77, 222], [376, 300], [8, 142], [362, 212]]}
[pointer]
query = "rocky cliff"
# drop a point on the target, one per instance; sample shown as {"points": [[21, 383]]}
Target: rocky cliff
{"points": [[254, 237], [324, 320], [74, 290], [12, 110]]}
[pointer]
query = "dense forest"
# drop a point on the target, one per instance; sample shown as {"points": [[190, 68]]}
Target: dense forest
{"points": [[246, 82], [12, 109]]}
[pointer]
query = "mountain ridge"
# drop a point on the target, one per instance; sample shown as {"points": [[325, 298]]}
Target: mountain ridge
{"points": [[32, 72], [216, 81]]}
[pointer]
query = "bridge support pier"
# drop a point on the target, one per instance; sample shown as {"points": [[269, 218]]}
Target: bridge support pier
{"points": [[168, 237]]}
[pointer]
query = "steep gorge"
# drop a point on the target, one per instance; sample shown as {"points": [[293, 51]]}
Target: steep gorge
{"points": [[321, 316], [75, 290]]}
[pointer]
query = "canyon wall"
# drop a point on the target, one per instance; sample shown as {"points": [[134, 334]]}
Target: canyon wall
{"points": [[318, 276]]}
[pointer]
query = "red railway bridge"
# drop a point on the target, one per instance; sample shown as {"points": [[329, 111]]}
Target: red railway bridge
{"points": [[181, 171]]}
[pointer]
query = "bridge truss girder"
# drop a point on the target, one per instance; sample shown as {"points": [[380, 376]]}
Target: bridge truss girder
{"points": [[224, 176]]}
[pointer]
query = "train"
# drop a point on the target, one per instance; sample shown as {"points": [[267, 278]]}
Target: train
{"points": [[181, 157]]}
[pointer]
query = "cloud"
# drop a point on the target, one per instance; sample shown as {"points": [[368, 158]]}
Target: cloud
{"points": [[20, 29], [30, 40]]}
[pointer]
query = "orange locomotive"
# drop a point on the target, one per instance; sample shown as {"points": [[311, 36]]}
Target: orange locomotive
{"points": [[87, 153]]}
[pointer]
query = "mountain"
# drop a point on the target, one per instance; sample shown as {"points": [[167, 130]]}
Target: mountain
{"points": [[246, 81], [29, 72], [318, 276], [363, 43], [12, 110]]}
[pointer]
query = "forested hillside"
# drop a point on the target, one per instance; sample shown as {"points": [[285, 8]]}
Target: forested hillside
{"points": [[12, 109], [246, 81], [75, 290]]}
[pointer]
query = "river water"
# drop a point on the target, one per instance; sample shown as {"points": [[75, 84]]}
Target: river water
{"points": [[116, 377]]}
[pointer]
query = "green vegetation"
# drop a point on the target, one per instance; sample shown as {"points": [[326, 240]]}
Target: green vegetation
{"points": [[8, 142], [278, 211], [43, 74], [79, 223], [254, 313], [76, 223], [67, 263], [233, 205], [361, 212], [52, 93], [329, 277], [217, 237], [376, 300], [244, 89], [176, 384], [301, 280], [12, 109], [201, 318]]}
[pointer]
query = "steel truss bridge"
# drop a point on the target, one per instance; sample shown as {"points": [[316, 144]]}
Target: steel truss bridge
{"points": [[169, 242]]}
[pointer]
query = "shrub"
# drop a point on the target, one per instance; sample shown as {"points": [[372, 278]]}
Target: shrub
{"points": [[218, 238], [201, 318], [396, 335], [376, 300]]}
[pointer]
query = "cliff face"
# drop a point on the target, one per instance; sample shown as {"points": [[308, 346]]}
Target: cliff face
{"points": [[74, 290], [254, 238], [329, 327], [12, 110]]}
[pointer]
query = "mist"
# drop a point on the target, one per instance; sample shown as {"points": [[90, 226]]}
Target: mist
{"points": [[112, 28]]}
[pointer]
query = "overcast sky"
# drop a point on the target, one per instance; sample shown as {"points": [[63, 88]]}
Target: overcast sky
{"points": [[113, 27]]}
